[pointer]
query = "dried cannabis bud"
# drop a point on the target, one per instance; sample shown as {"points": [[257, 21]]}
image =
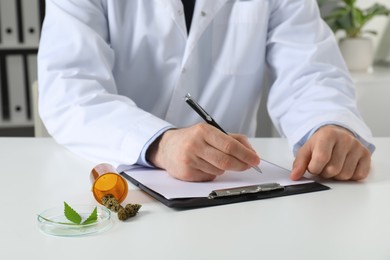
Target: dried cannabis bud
{"points": [[130, 210], [111, 202], [122, 214]]}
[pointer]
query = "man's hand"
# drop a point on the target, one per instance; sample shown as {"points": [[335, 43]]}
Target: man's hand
{"points": [[201, 153], [332, 152]]}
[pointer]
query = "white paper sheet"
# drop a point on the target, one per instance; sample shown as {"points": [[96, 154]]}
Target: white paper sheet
{"points": [[171, 188]]}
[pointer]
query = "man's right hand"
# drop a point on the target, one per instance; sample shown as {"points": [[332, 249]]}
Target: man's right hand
{"points": [[201, 153]]}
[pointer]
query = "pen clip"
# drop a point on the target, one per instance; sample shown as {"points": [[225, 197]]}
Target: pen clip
{"points": [[245, 190], [197, 108]]}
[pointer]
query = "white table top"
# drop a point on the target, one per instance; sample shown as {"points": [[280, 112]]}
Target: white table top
{"points": [[350, 221]]}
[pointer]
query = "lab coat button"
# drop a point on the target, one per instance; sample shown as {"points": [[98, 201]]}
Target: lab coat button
{"points": [[180, 12], [203, 13]]}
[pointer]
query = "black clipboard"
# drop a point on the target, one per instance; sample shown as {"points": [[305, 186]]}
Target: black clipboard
{"points": [[188, 203]]}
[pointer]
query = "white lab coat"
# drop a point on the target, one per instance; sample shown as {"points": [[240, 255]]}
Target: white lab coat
{"points": [[113, 73]]}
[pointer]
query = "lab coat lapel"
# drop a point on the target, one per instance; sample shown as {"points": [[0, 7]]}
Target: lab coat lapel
{"points": [[176, 11], [204, 13]]}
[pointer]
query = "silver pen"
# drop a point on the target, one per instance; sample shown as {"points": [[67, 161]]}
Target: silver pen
{"points": [[198, 109]]}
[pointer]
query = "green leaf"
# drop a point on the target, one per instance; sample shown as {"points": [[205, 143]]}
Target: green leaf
{"points": [[92, 218], [350, 2], [74, 217], [71, 214], [348, 17]]}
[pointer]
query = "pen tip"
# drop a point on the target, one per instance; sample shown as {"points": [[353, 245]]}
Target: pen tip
{"points": [[257, 168]]}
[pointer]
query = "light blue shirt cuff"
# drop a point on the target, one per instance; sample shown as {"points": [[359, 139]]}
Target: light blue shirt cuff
{"points": [[142, 157], [303, 140]]}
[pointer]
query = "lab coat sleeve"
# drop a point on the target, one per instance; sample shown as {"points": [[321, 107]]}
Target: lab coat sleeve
{"points": [[78, 99], [311, 84]]}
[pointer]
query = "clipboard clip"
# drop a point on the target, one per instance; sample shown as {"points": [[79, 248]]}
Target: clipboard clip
{"points": [[245, 190]]}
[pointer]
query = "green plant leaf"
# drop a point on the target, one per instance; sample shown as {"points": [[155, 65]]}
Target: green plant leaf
{"points": [[375, 10], [347, 17], [350, 2], [71, 214], [74, 217], [92, 218]]}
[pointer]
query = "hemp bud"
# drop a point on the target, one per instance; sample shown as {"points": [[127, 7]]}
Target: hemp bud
{"points": [[128, 212], [111, 202]]}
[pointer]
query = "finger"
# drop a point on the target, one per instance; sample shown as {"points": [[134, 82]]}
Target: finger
{"points": [[320, 157], [349, 167], [206, 167], [339, 163], [363, 167], [300, 163], [192, 169], [356, 153], [230, 146], [221, 160], [194, 175]]}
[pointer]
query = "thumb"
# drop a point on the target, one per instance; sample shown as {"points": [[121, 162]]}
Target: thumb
{"points": [[301, 163]]}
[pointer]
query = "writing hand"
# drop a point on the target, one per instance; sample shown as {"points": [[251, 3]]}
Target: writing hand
{"points": [[201, 153]]}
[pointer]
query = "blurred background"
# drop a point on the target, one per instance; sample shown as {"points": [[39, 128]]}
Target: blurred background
{"points": [[368, 27], [20, 24]]}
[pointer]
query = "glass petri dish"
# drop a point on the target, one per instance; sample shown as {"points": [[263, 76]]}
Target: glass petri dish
{"points": [[65, 228]]}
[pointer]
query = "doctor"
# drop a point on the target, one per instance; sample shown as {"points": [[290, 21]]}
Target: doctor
{"points": [[113, 76]]}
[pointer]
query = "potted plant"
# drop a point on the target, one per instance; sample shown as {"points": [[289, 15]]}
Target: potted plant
{"points": [[356, 49]]}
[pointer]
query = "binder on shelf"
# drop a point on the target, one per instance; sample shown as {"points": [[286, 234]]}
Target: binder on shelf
{"points": [[231, 187], [32, 76], [8, 23], [16, 89], [4, 104], [1, 90], [31, 22], [32, 66]]}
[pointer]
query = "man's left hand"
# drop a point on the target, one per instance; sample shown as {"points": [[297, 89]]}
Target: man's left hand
{"points": [[332, 152]]}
